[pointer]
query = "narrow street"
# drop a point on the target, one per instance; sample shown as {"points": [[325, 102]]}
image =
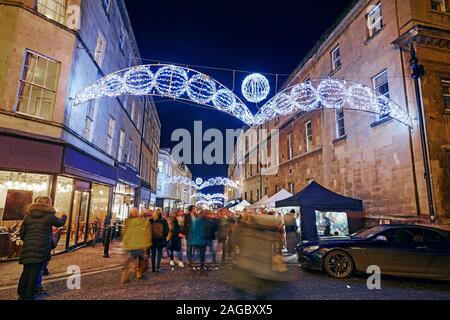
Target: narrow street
{"points": [[101, 281]]}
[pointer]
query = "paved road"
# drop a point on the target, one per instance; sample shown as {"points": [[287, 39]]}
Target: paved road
{"points": [[181, 284]]}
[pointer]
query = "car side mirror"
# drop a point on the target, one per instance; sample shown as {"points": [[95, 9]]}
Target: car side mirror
{"points": [[381, 239]]}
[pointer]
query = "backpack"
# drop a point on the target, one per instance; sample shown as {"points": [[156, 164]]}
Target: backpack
{"points": [[157, 230]]}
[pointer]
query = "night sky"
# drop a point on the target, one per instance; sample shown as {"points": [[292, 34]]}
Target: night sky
{"points": [[259, 36]]}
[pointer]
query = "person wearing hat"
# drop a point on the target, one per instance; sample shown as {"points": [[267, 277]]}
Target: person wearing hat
{"points": [[36, 234]]}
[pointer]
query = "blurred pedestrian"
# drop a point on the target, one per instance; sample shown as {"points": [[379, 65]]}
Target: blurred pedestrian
{"points": [[186, 229], [222, 234], [211, 228], [290, 228], [160, 231], [36, 234], [174, 239], [136, 240], [197, 237]]}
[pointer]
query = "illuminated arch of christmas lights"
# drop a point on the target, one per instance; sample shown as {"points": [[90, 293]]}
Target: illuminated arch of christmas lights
{"points": [[199, 184], [209, 203], [330, 94], [170, 81], [209, 197], [189, 85]]}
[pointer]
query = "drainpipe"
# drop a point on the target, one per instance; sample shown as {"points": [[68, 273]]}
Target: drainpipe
{"points": [[418, 72]]}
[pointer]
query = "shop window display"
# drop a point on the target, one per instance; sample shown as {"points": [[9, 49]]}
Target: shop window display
{"points": [[99, 210], [63, 200], [17, 191], [123, 202]]}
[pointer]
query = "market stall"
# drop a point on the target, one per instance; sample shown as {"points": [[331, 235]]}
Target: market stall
{"points": [[325, 213], [240, 207]]}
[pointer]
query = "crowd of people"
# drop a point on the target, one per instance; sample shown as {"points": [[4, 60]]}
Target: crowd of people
{"points": [[185, 237], [190, 236]]}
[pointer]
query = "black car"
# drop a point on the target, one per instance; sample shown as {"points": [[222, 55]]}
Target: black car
{"points": [[400, 250]]}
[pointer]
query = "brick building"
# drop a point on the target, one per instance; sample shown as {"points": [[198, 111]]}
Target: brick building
{"points": [[96, 160], [361, 155]]}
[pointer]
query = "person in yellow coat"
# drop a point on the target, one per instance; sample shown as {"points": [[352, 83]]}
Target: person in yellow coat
{"points": [[136, 240]]}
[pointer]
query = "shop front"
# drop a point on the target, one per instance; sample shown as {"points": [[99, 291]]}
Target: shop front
{"points": [[125, 197], [28, 169]]}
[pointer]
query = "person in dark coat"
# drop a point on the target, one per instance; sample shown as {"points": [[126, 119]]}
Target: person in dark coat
{"points": [[222, 233], [212, 226], [36, 234], [175, 243], [160, 231], [186, 230]]}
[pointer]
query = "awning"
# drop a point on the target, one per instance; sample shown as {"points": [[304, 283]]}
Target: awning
{"points": [[271, 202], [241, 206], [84, 166], [30, 155], [128, 175], [320, 198], [259, 204]]}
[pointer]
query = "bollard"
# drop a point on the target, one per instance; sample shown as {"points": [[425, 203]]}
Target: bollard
{"points": [[107, 241]]}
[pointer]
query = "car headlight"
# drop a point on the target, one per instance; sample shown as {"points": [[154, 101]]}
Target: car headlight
{"points": [[310, 249]]}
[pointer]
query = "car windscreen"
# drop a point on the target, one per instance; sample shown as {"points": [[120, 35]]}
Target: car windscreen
{"points": [[368, 233]]}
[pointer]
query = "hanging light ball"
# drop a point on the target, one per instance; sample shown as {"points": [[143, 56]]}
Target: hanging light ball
{"points": [[361, 98], [224, 100], [332, 93], [112, 85], [201, 88], [171, 81], [255, 88], [139, 80]]}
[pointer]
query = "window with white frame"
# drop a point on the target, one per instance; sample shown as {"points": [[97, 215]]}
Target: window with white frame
{"points": [[110, 137], [88, 132], [135, 157], [53, 9], [38, 84], [100, 48], [440, 5], [122, 39], [292, 187], [445, 85], [130, 151], [381, 85], [375, 20], [121, 152], [133, 110], [336, 57], [290, 147], [340, 123], [309, 136]]}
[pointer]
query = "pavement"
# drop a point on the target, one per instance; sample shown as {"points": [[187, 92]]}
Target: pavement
{"points": [[101, 281]]}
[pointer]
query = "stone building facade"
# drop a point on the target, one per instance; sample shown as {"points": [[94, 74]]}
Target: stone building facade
{"points": [[172, 196], [361, 155], [96, 160]]}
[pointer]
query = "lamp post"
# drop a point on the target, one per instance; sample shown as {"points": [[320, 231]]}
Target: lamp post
{"points": [[418, 72]]}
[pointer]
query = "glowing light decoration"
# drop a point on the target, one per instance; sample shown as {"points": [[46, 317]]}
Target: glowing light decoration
{"points": [[199, 184], [330, 94], [209, 203], [255, 88], [224, 100], [171, 81], [139, 81], [186, 84], [201, 89], [209, 197]]}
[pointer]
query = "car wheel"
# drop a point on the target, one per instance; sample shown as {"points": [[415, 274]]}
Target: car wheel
{"points": [[338, 264]]}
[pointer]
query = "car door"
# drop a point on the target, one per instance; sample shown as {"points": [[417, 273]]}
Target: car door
{"points": [[404, 252], [440, 248]]}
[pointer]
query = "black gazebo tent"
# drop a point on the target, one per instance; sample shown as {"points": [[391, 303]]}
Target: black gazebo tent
{"points": [[317, 198]]}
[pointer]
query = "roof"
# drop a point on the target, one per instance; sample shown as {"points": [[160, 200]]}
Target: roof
{"points": [[317, 197]]}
